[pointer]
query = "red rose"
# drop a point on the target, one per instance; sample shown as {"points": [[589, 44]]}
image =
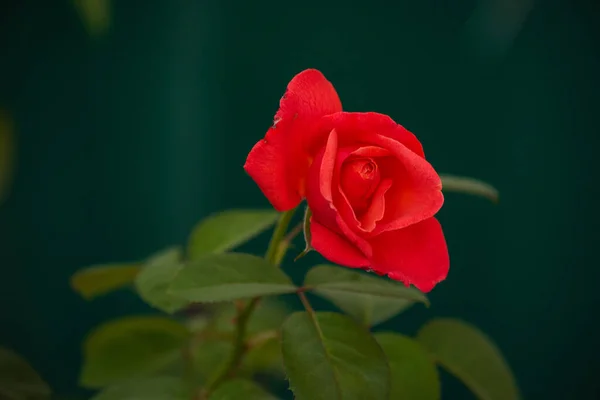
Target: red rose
{"points": [[371, 192]]}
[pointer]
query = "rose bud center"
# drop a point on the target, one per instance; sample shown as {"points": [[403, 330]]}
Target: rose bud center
{"points": [[359, 178]]}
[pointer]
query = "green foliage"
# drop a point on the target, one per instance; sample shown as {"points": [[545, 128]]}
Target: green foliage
{"points": [[218, 347], [268, 315], [226, 277], [240, 389], [224, 231], [130, 347], [154, 279], [414, 375], [369, 299], [155, 388], [264, 356], [329, 356], [18, 380], [471, 356], [100, 279], [210, 357], [462, 184], [264, 353]]}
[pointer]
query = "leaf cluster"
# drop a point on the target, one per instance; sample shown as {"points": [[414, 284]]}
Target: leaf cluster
{"points": [[222, 324]]}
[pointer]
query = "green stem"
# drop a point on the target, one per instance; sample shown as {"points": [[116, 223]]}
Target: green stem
{"points": [[274, 256], [306, 303]]}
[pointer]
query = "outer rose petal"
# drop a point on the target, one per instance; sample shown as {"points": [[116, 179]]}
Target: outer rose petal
{"points": [[415, 255], [417, 193], [278, 163], [310, 95], [327, 166], [349, 124], [335, 248]]}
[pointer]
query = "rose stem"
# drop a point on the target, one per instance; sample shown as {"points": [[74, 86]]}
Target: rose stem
{"points": [[275, 256]]}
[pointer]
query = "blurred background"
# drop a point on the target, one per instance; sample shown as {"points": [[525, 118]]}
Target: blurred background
{"points": [[131, 120]]}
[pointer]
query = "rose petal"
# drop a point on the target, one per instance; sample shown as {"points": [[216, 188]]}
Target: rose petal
{"points": [[416, 255], [416, 193], [370, 151], [359, 178], [352, 127], [309, 95], [376, 210], [335, 248], [327, 166], [321, 181], [319, 205], [360, 224], [279, 162], [366, 223], [342, 205]]}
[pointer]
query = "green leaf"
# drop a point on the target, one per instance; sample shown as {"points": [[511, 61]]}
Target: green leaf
{"points": [[7, 153], [329, 356], [414, 375], [265, 320], [240, 389], [462, 184], [368, 299], [211, 357], [154, 279], [231, 276], [129, 348], [95, 14], [265, 356], [18, 380], [470, 356], [268, 315], [155, 388], [101, 279], [224, 231]]}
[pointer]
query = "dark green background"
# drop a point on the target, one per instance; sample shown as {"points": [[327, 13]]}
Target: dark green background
{"points": [[127, 140]]}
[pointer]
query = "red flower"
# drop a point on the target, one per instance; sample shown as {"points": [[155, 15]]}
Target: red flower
{"points": [[371, 192]]}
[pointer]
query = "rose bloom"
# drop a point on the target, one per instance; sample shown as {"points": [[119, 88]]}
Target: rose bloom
{"points": [[371, 192]]}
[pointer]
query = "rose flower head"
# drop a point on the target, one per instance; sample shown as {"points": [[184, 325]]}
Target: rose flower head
{"points": [[372, 194]]}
